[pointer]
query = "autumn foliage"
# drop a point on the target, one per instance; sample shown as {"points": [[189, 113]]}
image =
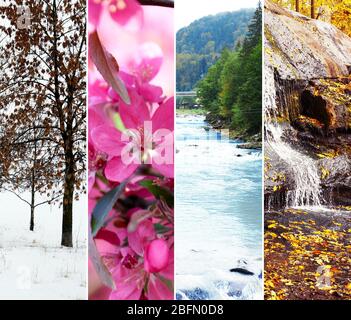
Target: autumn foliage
{"points": [[337, 12], [42, 101], [307, 255]]}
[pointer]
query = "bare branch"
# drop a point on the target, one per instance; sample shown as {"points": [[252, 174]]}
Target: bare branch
{"points": [[17, 195], [159, 3]]}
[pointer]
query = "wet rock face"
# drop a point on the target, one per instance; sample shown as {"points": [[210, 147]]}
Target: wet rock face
{"points": [[278, 178], [315, 107], [308, 93], [329, 102], [336, 182], [303, 48]]}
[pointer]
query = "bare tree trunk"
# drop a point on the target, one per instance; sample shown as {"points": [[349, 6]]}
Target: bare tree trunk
{"points": [[313, 16], [67, 217], [31, 227], [67, 220], [32, 203], [297, 5]]}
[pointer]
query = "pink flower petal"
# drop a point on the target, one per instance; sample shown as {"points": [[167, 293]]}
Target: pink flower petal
{"points": [[156, 256], [98, 89], [123, 10], [126, 284], [168, 272], [163, 156], [157, 290], [95, 9], [116, 170], [134, 115], [147, 61], [151, 93], [109, 236], [108, 140], [166, 170], [91, 181], [94, 120], [138, 239], [128, 79], [163, 118]]}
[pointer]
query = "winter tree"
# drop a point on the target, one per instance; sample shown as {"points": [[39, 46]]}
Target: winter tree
{"points": [[42, 100]]}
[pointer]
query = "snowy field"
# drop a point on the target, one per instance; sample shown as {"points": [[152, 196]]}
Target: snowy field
{"points": [[33, 265]]}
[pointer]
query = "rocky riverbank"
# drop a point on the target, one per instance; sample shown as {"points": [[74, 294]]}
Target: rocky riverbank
{"points": [[250, 141]]}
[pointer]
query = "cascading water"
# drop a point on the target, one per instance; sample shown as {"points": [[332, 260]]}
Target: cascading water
{"points": [[307, 181], [307, 189]]}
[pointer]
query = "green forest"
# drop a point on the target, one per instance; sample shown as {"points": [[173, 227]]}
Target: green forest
{"points": [[232, 88], [200, 44]]}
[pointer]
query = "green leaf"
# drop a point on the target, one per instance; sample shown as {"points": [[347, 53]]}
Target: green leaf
{"points": [[100, 268], [118, 122], [168, 283], [107, 66], [158, 192], [104, 206], [159, 228]]}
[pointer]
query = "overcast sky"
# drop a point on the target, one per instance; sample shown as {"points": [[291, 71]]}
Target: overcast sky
{"points": [[189, 10]]}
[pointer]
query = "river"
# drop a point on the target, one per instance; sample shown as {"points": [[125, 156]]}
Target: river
{"points": [[218, 214]]}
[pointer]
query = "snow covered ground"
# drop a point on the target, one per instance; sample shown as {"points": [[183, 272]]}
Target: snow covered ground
{"points": [[33, 265]]}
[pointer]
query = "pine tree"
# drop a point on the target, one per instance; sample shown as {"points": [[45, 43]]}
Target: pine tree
{"points": [[254, 32]]}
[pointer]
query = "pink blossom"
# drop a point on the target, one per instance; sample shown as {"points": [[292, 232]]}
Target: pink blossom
{"points": [[145, 65], [158, 290], [130, 280], [139, 238], [96, 158], [158, 140], [121, 11], [95, 10], [135, 242], [156, 255], [98, 91]]}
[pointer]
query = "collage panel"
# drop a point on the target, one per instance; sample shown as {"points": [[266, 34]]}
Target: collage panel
{"points": [[130, 143], [43, 252], [307, 143], [176, 151], [218, 151]]}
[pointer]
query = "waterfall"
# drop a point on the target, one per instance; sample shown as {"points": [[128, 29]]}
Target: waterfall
{"points": [[307, 189]]}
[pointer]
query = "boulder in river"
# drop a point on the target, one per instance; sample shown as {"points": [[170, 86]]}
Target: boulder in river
{"points": [[242, 271]]}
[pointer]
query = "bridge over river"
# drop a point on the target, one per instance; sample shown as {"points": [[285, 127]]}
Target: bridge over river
{"points": [[186, 94], [187, 99]]}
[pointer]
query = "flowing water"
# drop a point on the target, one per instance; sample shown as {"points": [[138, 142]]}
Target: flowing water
{"points": [[307, 190], [219, 220]]}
